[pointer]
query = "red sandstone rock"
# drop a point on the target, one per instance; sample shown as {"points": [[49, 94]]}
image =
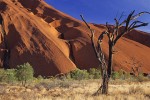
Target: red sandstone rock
{"points": [[53, 42]]}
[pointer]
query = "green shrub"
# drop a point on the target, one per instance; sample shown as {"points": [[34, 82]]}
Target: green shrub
{"points": [[24, 73], [127, 75], [141, 78], [94, 73], [8, 76], [68, 76], [115, 75], [79, 74], [121, 74]]}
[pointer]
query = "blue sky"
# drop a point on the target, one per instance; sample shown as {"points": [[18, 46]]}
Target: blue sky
{"points": [[102, 11]]}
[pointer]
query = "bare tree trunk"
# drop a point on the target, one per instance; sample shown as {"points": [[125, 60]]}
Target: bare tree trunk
{"points": [[105, 79], [102, 63], [104, 89], [106, 72], [104, 85], [110, 60]]}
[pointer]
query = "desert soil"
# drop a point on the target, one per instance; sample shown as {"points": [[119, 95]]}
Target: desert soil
{"points": [[75, 90]]}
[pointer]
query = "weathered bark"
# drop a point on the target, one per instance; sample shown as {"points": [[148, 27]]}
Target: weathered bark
{"points": [[104, 86], [110, 60], [102, 63]]}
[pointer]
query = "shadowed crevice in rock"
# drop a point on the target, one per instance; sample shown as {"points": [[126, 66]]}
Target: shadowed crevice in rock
{"points": [[30, 5], [5, 50], [71, 53], [3, 6]]}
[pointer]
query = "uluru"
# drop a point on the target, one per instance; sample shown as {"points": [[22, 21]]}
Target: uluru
{"points": [[54, 42]]}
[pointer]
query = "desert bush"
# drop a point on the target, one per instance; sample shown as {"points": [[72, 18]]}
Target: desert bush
{"points": [[141, 78], [79, 74], [127, 75], [53, 84], [115, 75], [94, 73], [68, 76], [121, 74], [8, 76], [40, 77], [64, 84], [136, 90], [24, 73]]}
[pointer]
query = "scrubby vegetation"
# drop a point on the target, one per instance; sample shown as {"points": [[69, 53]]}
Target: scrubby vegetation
{"points": [[85, 74], [78, 84], [8, 76], [23, 73]]}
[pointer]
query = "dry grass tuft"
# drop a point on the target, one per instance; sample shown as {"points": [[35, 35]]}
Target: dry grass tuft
{"points": [[75, 90]]}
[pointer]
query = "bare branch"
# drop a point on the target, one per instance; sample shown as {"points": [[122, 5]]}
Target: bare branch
{"points": [[92, 37], [121, 16], [140, 25], [108, 29], [129, 19], [116, 27], [100, 38], [119, 36], [133, 25], [85, 22], [139, 14], [135, 16], [137, 24], [126, 21], [117, 22]]}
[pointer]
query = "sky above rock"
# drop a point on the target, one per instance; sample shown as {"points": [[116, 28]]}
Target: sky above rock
{"points": [[102, 11]]}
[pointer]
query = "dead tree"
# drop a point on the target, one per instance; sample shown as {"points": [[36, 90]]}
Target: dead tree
{"points": [[102, 64], [114, 33]]}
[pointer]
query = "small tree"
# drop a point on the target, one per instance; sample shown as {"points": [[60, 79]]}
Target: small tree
{"points": [[114, 33], [24, 73], [8, 75]]}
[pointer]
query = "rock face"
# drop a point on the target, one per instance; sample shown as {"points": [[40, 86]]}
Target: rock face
{"points": [[31, 39], [53, 42]]}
